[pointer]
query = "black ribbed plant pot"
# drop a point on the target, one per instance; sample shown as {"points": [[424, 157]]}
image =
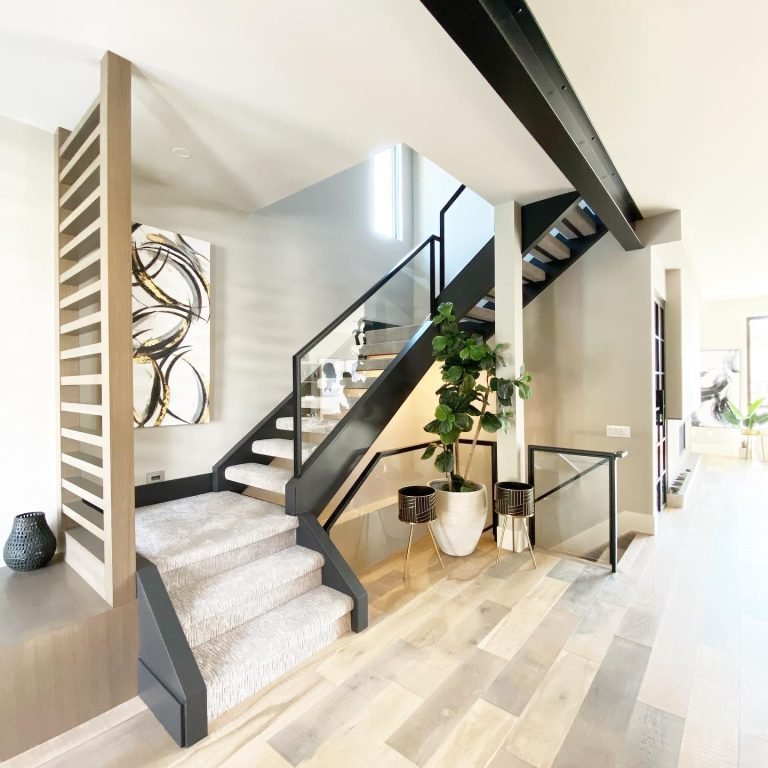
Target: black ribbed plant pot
{"points": [[31, 544]]}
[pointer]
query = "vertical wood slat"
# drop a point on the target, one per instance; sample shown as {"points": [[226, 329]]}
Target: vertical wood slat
{"points": [[61, 366], [117, 361], [111, 574]]}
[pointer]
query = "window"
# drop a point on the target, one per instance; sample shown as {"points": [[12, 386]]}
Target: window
{"points": [[757, 357], [388, 193]]}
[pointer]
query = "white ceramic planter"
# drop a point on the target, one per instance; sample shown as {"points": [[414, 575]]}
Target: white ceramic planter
{"points": [[460, 519]]}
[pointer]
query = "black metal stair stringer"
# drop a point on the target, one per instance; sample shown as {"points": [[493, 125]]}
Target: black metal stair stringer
{"points": [[335, 458]]}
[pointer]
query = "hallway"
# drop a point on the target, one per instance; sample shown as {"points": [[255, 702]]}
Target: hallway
{"points": [[663, 664]]}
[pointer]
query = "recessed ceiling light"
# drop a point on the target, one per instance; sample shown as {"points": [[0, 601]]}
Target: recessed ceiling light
{"points": [[182, 152]]}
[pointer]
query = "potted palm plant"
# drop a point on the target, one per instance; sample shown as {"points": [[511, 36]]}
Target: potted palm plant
{"points": [[746, 422], [469, 382]]}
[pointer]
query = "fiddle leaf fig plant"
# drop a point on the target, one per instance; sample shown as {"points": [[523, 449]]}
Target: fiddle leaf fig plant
{"points": [[469, 380]]}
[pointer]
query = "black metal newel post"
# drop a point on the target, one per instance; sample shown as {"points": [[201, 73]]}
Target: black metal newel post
{"points": [[612, 522], [297, 436]]}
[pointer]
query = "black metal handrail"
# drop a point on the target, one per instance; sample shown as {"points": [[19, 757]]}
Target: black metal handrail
{"points": [[372, 464], [443, 211], [433, 288], [607, 457]]}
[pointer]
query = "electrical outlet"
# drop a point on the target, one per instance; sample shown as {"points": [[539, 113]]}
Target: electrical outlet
{"points": [[614, 431], [156, 477]]}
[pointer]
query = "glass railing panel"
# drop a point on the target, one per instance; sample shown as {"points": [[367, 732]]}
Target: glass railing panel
{"points": [[337, 369], [369, 531], [573, 509], [468, 225]]}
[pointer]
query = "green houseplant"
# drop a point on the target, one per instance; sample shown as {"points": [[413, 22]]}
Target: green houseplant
{"points": [[469, 375], [746, 422]]}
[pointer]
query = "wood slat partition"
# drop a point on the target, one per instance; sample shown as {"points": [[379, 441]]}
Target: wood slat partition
{"points": [[93, 235]]}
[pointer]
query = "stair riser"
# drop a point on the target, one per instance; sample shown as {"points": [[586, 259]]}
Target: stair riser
{"points": [[374, 364], [229, 691], [204, 569], [213, 626]]}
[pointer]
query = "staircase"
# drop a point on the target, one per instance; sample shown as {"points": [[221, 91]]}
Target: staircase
{"points": [[251, 602], [242, 584]]}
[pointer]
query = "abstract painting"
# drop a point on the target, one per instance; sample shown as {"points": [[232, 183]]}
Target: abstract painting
{"points": [[720, 376], [171, 328]]}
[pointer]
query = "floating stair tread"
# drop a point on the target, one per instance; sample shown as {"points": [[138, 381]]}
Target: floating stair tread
{"points": [[359, 384], [279, 448], [481, 313], [382, 348], [237, 664], [265, 476], [375, 364], [396, 333], [183, 532], [308, 424], [533, 273], [218, 604], [581, 221], [553, 247]]}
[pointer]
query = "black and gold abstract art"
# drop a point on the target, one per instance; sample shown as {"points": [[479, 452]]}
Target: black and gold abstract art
{"points": [[171, 328]]}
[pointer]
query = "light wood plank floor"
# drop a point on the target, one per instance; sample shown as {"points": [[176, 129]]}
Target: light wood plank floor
{"points": [[664, 664]]}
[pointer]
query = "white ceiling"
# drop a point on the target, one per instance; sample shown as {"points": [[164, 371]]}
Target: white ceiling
{"points": [[273, 96], [677, 92]]}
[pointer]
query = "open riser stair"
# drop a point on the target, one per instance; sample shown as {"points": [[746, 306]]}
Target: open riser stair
{"points": [[250, 603]]}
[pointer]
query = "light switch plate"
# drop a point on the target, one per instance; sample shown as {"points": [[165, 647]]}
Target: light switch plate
{"points": [[617, 431]]}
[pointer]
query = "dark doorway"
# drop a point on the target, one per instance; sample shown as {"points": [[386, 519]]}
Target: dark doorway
{"points": [[660, 416]]}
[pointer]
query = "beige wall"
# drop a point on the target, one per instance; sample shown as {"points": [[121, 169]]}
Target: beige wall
{"points": [[278, 276], [27, 386], [724, 326], [588, 348]]}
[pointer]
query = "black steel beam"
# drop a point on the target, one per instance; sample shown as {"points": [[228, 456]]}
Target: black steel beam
{"points": [[503, 40]]}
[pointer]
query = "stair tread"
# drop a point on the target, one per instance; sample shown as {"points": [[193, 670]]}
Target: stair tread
{"points": [[395, 333], [265, 476], [240, 662], [308, 424], [382, 348], [481, 313], [374, 364], [174, 534], [279, 448], [221, 602]]}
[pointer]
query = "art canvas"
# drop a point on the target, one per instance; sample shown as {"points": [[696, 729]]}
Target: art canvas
{"points": [[720, 377], [171, 328]]}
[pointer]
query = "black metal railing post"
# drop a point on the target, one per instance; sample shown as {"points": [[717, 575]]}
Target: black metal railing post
{"points": [[432, 280], [297, 434], [613, 534]]}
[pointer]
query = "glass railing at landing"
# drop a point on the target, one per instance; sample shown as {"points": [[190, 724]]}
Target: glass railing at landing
{"points": [[365, 526], [576, 503]]}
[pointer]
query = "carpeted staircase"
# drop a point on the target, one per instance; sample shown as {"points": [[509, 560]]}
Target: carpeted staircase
{"points": [[251, 602]]}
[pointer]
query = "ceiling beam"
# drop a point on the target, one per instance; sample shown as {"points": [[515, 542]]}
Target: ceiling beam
{"points": [[502, 39]]}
